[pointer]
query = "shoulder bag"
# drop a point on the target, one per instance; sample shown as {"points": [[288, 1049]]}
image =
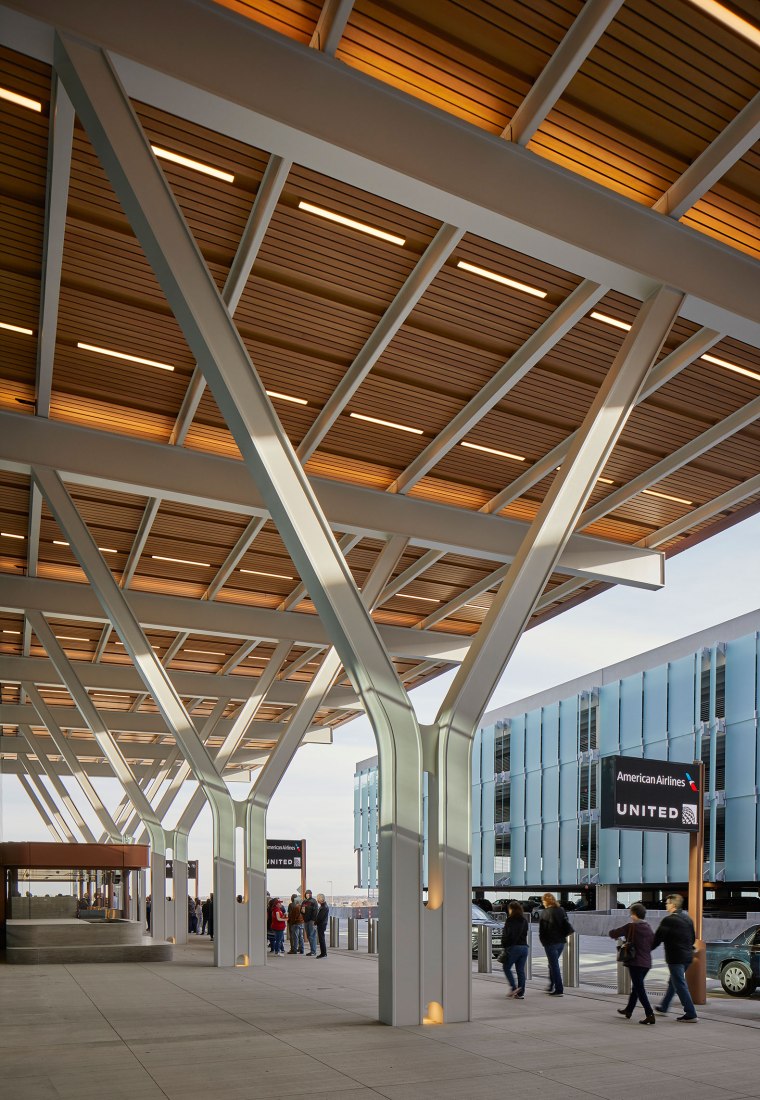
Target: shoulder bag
{"points": [[626, 951]]}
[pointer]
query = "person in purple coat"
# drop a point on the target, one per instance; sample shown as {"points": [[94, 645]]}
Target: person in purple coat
{"points": [[641, 935]]}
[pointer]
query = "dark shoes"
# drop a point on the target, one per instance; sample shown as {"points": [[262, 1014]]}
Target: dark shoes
{"points": [[662, 1011], [686, 1019], [624, 1012], [556, 993], [648, 1020], [321, 956]]}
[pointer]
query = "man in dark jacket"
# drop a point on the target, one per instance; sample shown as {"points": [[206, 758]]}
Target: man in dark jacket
{"points": [[676, 934], [323, 912], [310, 910]]}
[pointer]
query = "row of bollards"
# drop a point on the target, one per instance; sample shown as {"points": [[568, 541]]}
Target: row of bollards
{"points": [[353, 934]]}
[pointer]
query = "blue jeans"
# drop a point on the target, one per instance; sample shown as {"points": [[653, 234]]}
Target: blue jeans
{"points": [[553, 953], [297, 938], [517, 957], [677, 986], [310, 929], [279, 942]]}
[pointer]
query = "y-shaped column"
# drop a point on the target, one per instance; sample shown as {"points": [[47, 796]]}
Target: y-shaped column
{"points": [[448, 743], [119, 141]]}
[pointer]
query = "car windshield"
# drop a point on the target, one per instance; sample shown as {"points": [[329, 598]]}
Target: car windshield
{"points": [[479, 914]]}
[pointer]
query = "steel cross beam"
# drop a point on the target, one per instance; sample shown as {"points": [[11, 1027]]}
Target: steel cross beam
{"points": [[86, 457], [330, 25], [153, 674], [54, 824], [586, 30], [121, 145], [43, 764], [449, 739]]}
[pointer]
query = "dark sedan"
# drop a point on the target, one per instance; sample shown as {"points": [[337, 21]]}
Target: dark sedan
{"points": [[736, 963]]}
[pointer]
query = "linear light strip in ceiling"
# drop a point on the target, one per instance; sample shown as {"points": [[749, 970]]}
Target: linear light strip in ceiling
{"points": [[496, 278], [612, 321], [351, 223], [386, 423], [20, 100], [262, 573], [122, 355], [181, 561], [730, 366], [103, 549], [492, 451], [730, 19], [9, 535], [409, 596], [665, 496], [286, 397], [17, 328], [195, 165]]}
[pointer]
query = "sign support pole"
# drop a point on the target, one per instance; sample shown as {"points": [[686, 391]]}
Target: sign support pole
{"points": [[696, 975], [303, 868]]}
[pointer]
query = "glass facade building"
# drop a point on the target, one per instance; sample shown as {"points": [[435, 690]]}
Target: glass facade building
{"points": [[535, 770]]}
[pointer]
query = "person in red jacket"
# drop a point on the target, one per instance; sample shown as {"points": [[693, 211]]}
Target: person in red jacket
{"points": [[279, 924]]}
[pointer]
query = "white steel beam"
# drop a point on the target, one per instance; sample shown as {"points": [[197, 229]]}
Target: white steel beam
{"points": [[712, 164], [126, 465], [336, 120], [121, 145], [66, 752], [330, 25], [74, 601], [449, 740], [586, 30], [418, 281], [670, 366], [546, 336], [39, 749], [54, 824], [154, 676]]}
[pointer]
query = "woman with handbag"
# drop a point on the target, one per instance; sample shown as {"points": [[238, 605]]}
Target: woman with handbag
{"points": [[514, 941], [636, 954]]}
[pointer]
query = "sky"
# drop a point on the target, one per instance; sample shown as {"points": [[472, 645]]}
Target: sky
{"points": [[707, 585]]}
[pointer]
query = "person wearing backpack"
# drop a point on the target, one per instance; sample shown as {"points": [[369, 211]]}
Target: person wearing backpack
{"points": [[639, 933], [553, 930], [310, 910]]}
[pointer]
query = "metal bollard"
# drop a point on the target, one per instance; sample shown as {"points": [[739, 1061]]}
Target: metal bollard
{"points": [[334, 931], [485, 958], [529, 960], [571, 961], [372, 936], [623, 979], [353, 934]]}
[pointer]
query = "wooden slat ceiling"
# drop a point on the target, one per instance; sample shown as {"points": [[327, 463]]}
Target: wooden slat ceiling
{"points": [[662, 82]]}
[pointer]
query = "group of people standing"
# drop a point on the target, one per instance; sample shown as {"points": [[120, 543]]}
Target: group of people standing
{"points": [[305, 921], [675, 933], [200, 916]]}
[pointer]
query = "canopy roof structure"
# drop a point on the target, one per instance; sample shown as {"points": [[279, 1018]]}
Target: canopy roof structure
{"points": [[432, 253]]}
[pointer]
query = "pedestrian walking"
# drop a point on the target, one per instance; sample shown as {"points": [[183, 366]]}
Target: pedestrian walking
{"points": [[295, 925], [148, 910], [553, 930], [676, 934], [211, 916], [640, 935], [279, 924], [323, 912], [514, 941], [204, 913], [310, 908]]}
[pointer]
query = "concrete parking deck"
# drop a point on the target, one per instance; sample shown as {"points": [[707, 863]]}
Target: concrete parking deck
{"points": [[302, 1027]]}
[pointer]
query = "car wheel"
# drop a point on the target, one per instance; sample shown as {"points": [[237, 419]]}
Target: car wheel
{"points": [[736, 979]]}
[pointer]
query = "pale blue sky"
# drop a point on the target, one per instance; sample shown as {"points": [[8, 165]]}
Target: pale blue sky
{"points": [[709, 584]]}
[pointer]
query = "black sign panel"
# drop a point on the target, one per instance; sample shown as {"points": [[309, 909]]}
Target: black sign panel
{"points": [[650, 794], [192, 868], [284, 853]]}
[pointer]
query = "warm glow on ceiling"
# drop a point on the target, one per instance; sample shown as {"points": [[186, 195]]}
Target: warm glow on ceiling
{"points": [[730, 19], [351, 223]]}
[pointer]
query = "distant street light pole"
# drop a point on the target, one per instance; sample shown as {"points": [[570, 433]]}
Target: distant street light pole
{"points": [[332, 895]]}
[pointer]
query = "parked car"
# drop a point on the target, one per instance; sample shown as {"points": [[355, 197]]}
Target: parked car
{"points": [[736, 963], [480, 919]]}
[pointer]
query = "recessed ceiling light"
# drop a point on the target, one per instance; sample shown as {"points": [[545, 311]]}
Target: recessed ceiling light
{"points": [[496, 278], [341, 219], [613, 321], [70, 638], [477, 606], [20, 100], [123, 355], [492, 451], [17, 328], [206, 652], [666, 496], [286, 397], [11, 632], [730, 366], [103, 549], [196, 165], [263, 573], [386, 423], [409, 596], [181, 561], [730, 19], [8, 535]]}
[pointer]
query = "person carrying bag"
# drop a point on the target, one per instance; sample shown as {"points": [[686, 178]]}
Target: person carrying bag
{"points": [[636, 953]]}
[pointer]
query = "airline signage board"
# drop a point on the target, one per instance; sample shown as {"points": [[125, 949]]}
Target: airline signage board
{"points": [[657, 795], [285, 854]]}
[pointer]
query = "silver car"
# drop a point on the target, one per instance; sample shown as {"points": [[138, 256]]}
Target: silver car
{"points": [[480, 919]]}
